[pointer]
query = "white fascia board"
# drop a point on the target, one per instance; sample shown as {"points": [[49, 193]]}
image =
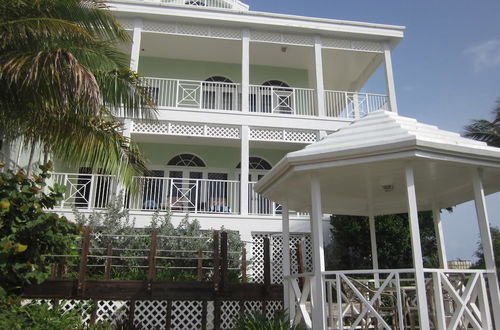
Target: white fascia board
{"points": [[253, 119], [261, 20]]}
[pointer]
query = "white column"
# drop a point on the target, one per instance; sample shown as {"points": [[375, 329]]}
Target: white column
{"points": [[245, 154], [288, 297], [317, 283], [389, 76], [438, 229], [418, 263], [318, 64], [245, 71], [136, 45], [489, 257], [373, 241]]}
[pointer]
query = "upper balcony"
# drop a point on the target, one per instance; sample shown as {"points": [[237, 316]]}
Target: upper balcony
{"points": [[221, 4], [263, 99]]}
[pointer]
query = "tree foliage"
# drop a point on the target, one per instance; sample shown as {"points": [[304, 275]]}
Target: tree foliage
{"points": [[485, 130], [495, 238], [351, 249], [63, 82], [27, 232]]}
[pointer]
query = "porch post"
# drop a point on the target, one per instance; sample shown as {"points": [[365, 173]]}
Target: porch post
{"points": [[373, 241], [317, 283], [438, 229], [136, 45], [245, 154], [489, 257], [288, 298], [389, 76], [320, 89], [418, 263], [245, 71]]}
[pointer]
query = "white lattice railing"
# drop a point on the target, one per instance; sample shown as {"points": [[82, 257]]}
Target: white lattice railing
{"points": [[283, 100], [205, 95], [351, 105], [227, 4], [185, 195], [386, 299]]}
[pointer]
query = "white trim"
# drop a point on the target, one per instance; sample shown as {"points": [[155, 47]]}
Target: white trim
{"points": [[389, 76], [320, 88], [438, 229], [245, 71], [136, 45], [245, 154]]}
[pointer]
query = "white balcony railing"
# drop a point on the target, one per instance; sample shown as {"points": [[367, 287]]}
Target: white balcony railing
{"points": [[257, 204], [283, 100], [387, 299], [351, 105], [228, 4]]}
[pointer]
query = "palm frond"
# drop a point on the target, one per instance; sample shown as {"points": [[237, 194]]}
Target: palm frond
{"points": [[485, 131]]}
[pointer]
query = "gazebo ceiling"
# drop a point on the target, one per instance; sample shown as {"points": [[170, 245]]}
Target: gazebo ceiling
{"points": [[366, 162]]}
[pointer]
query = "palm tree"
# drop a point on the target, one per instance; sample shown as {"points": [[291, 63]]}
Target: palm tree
{"points": [[485, 130], [63, 83]]}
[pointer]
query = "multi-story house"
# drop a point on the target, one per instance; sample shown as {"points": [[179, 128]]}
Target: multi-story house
{"points": [[236, 91]]}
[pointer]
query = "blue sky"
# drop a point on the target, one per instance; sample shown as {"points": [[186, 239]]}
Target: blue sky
{"points": [[447, 71]]}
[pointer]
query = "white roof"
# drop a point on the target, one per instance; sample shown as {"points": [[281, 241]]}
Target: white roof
{"points": [[356, 161]]}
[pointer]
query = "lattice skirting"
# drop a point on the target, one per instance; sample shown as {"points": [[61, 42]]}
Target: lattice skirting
{"points": [[158, 314]]}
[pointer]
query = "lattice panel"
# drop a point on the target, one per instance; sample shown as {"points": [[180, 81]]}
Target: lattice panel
{"points": [[229, 312], [223, 132], [150, 128], [187, 129], [358, 45], [127, 24], [258, 258], [192, 30], [114, 312], [210, 315], [150, 314], [277, 255], [300, 136], [186, 315], [252, 306], [84, 308], [266, 134], [272, 307], [281, 38]]}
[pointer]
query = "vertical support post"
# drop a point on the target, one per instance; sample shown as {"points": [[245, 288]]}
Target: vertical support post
{"points": [[243, 265], [389, 76], [355, 105], [224, 259], [245, 155], [300, 263], [438, 228], [440, 319], [200, 265], [82, 270], [136, 45], [267, 270], [418, 262], [216, 280], [108, 265], [288, 302], [152, 258], [489, 257], [245, 71], [320, 88], [373, 241], [317, 283]]}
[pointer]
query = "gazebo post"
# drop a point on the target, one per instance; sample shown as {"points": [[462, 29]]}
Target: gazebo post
{"points": [[288, 301], [373, 241], [489, 258], [418, 263], [317, 283], [438, 229]]}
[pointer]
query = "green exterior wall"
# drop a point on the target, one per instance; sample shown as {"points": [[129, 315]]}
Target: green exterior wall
{"points": [[197, 70]]}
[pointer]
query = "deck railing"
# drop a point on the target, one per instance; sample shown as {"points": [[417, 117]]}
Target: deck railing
{"points": [[257, 204], [207, 95], [228, 4], [387, 299]]}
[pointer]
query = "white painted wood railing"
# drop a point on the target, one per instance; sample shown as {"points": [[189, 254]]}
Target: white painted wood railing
{"points": [[257, 204], [351, 105], [283, 100], [386, 299], [228, 4]]}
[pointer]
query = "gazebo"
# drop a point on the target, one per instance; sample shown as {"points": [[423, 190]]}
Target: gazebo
{"points": [[387, 164]]}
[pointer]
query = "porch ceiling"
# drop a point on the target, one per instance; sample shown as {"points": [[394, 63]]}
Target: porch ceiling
{"points": [[367, 160]]}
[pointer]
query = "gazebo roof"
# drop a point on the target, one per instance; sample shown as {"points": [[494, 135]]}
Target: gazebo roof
{"points": [[365, 161]]}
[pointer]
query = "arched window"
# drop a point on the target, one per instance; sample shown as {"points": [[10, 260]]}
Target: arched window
{"points": [[275, 83], [188, 160], [257, 163], [275, 96], [219, 93]]}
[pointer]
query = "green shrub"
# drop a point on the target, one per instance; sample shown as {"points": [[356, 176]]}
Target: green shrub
{"points": [[257, 321], [28, 232], [32, 316]]}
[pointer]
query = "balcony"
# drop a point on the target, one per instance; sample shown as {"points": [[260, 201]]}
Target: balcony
{"points": [[292, 101], [225, 4], [195, 196]]}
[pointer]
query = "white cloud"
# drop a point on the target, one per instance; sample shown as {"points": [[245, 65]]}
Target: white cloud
{"points": [[485, 55]]}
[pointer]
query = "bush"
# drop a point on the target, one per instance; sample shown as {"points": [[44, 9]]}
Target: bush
{"points": [[257, 321], [27, 232], [32, 316]]}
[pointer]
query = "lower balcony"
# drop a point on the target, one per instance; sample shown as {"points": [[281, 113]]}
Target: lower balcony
{"points": [[263, 99], [178, 195]]}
